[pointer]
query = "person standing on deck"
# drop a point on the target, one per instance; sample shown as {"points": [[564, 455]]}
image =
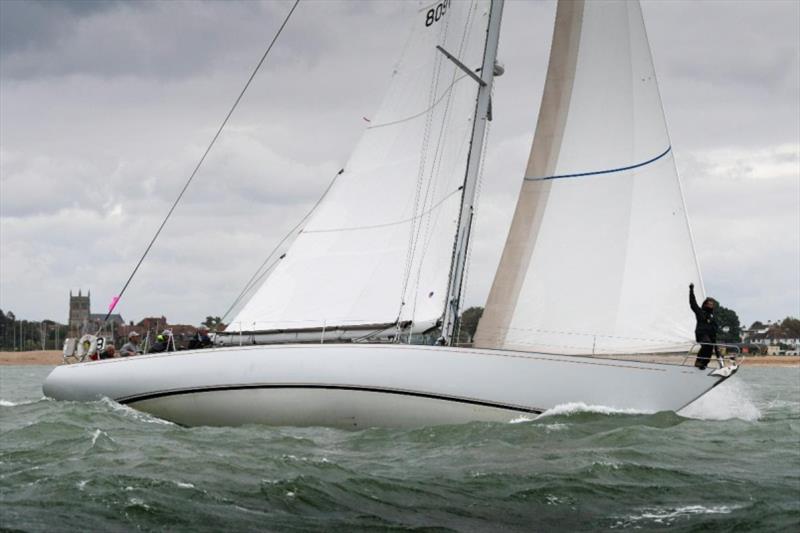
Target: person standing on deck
{"points": [[131, 347], [705, 332]]}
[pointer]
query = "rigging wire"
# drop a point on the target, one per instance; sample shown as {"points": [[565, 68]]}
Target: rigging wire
{"points": [[432, 91], [432, 184], [473, 223], [199, 163], [258, 274]]}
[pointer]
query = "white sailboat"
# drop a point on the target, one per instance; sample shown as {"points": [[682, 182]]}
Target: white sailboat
{"points": [[594, 270]]}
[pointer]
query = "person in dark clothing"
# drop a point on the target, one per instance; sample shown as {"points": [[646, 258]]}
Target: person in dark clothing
{"points": [[200, 339], [109, 352], [705, 332], [164, 343]]}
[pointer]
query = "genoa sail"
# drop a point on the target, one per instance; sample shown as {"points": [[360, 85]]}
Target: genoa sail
{"points": [[378, 249], [600, 253]]}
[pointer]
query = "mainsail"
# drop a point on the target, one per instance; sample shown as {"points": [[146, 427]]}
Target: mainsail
{"points": [[599, 254], [378, 249]]}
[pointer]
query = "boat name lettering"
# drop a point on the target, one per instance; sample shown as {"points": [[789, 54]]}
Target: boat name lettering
{"points": [[436, 13]]}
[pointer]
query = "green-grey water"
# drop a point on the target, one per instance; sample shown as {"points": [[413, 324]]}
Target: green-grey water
{"points": [[729, 462]]}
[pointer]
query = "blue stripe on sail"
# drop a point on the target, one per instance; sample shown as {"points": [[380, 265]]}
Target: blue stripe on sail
{"points": [[610, 171]]}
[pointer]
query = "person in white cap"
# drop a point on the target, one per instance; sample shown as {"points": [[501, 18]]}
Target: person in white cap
{"points": [[131, 347]]}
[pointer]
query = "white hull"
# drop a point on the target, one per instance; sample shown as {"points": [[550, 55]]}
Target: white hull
{"points": [[362, 385]]}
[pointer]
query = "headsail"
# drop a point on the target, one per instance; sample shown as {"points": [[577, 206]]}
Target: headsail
{"points": [[379, 247], [599, 254]]}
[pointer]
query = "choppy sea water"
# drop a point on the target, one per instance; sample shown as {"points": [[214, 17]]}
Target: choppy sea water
{"points": [[728, 462]]}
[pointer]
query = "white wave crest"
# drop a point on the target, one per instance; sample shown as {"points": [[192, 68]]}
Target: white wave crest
{"points": [[732, 399], [572, 408], [669, 515], [9, 403], [133, 413], [97, 433]]}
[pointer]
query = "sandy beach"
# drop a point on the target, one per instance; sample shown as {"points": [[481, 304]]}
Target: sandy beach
{"points": [[53, 357], [39, 357]]}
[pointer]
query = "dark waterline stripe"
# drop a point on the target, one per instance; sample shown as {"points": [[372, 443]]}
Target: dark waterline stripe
{"points": [[180, 392], [610, 171]]}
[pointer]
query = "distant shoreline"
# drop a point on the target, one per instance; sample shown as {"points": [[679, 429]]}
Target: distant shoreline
{"points": [[53, 358]]}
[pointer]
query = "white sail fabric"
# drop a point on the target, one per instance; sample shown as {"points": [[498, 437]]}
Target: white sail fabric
{"points": [[378, 248], [599, 256]]}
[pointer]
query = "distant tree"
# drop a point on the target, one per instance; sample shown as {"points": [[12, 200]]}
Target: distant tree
{"points": [[727, 317], [5, 328], [790, 327], [757, 325], [213, 323], [30, 334], [775, 331], [9, 337]]}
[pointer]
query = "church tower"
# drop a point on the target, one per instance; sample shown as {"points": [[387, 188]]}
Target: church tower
{"points": [[78, 313]]}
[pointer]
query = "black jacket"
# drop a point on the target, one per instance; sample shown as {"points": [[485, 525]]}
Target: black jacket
{"points": [[166, 345], [199, 341], [706, 328]]}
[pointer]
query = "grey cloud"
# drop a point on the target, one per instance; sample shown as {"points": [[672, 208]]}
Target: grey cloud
{"points": [[169, 40], [31, 24], [102, 123], [730, 42], [745, 231], [166, 40], [728, 71]]}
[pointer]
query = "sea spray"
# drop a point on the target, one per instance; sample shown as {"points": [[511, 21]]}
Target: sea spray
{"points": [[732, 399], [571, 408]]}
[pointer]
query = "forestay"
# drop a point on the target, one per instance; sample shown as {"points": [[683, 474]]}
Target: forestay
{"points": [[599, 254], [378, 249]]}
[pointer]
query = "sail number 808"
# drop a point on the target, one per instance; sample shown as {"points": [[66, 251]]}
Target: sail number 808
{"points": [[437, 12]]}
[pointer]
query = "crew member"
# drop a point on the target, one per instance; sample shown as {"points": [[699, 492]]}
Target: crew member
{"points": [[200, 339], [705, 332], [164, 342], [109, 352], [132, 346]]}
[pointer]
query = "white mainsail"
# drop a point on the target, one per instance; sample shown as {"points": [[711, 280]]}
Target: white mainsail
{"points": [[599, 254], [378, 249]]}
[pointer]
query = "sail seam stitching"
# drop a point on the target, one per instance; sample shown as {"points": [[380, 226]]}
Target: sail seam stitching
{"points": [[444, 94], [609, 171], [386, 224]]}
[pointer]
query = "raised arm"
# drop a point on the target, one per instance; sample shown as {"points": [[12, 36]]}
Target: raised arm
{"points": [[692, 299]]}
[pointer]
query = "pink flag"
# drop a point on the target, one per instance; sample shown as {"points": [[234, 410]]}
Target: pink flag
{"points": [[113, 303]]}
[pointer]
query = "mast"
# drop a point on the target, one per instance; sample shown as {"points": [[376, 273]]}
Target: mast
{"points": [[482, 112]]}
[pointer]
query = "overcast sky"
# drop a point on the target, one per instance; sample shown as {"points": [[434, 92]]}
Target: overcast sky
{"points": [[105, 107]]}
